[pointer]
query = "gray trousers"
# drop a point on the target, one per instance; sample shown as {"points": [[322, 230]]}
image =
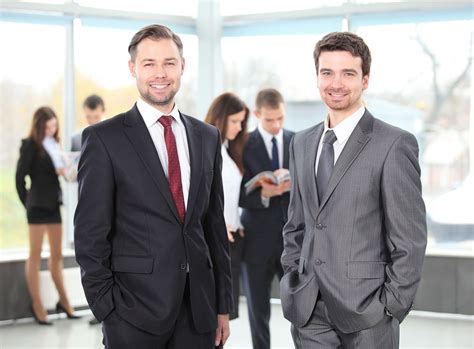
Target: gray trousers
{"points": [[320, 332]]}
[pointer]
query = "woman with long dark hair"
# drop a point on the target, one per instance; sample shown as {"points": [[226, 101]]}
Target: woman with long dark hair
{"points": [[230, 114], [40, 159]]}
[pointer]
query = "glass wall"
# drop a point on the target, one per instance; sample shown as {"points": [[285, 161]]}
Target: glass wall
{"points": [[32, 61]]}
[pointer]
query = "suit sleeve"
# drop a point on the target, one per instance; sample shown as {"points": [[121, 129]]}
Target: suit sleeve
{"points": [[294, 229], [216, 236], [23, 168], [93, 221], [405, 225], [254, 199]]}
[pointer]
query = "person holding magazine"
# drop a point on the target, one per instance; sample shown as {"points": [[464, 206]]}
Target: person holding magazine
{"points": [[41, 160], [264, 210], [230, 114]]}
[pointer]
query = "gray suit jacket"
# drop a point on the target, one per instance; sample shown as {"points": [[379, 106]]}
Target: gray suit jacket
{"points": [[362, 246], [76, 141]]}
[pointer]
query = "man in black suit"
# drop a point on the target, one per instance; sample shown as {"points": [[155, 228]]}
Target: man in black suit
{"points": [[264, 211], [149, 227]]}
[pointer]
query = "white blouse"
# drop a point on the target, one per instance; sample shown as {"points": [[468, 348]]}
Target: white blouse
{"points": [[231, 179], [54, 151]]}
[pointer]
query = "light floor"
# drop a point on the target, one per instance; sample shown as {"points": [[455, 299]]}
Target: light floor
{"points": [[420, 330]]}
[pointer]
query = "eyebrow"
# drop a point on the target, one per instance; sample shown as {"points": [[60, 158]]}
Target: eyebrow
{"points": [[343, 70], [153, 60]]}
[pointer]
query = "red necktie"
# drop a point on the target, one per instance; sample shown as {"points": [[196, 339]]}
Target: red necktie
{"points": [[174, 171]]}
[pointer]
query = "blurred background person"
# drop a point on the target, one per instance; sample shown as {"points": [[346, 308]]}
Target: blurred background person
{"points": [[94, 110], [264, 211], [230, 114], [40, 159]]}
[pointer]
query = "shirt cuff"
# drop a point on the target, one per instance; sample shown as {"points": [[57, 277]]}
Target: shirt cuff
{"points": [[265, 201]]}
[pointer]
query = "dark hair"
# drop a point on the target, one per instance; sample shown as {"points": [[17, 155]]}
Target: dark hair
{"points": [[154, 32], [221, 108], [344, 41], [269, 98], [38, 128], [93, 102]]}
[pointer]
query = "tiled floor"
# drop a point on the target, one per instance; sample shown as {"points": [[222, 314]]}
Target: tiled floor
{"points": [[420, 330]]}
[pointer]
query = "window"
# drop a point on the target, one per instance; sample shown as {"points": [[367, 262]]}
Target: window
{"points": [[33, 61]]}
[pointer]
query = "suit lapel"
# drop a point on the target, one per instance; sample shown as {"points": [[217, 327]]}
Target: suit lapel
{"points": [[311, 150], [195, 156], [138, 134], [356, 142]]}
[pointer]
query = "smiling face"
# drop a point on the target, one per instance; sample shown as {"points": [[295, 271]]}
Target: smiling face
{"points": [[234, 125], [341, 82], [157, 69]]}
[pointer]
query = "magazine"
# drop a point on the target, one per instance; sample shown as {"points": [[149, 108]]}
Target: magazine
{"points": [[279, 176], [70, 160]]}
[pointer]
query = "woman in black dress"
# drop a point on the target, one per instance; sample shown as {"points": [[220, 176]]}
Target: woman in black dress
{"points": [[40, 159]]}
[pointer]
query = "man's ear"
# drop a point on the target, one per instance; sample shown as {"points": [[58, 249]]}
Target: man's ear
{"points": [[131, 67], [182, 65]]}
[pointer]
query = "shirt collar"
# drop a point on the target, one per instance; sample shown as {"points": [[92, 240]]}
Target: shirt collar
{"points": [[344, 129], [267, 136], [151, 115]]}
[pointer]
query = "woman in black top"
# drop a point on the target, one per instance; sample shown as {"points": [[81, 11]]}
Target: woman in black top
{"points": [[40, 159]]}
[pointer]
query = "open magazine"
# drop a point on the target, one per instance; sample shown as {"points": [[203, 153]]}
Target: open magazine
{"points": [[70, 160], [279, 176]]}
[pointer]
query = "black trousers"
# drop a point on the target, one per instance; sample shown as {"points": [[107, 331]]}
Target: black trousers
{"points": [[236, 252], [120, 334], [257, 281]]}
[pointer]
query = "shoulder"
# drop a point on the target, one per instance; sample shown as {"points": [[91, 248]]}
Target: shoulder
{"points": [[388, 133], [201, 126], [27, 144], [301, 136]]}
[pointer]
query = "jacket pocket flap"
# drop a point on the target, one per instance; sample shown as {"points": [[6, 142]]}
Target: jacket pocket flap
{"points": [[129, 264], [366, 270]]}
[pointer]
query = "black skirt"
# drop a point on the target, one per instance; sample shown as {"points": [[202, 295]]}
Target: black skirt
{"points": [[40, 215]]}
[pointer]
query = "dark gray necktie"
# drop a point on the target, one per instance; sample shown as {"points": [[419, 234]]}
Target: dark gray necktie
{"points": [[326, 163]]}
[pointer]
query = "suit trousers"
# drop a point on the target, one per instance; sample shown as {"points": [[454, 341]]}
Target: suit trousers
{"points": [[320, 333], [120, 334], [257, 281], [236, 252]]}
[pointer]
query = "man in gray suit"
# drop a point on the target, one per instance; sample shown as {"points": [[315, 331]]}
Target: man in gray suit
{"points": [[356, 234], [94, 110]]}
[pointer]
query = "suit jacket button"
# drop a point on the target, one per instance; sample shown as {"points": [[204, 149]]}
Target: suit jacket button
{"points": [[318, 262], [183, 266], [319, 226]]}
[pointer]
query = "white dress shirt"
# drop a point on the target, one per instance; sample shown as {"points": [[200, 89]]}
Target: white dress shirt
{"points": [[267, 140], [343, 130], [231, 179], [53, 149], [157, 132]]}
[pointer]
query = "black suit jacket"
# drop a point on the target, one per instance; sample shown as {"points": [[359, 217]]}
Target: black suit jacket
{"points": [[45, 191], [263, 226], [131, 246]]}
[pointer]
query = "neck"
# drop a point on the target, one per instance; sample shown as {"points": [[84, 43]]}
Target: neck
{"points": [[337, 116]]}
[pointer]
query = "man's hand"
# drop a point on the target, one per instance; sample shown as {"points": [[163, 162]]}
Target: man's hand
{"points": [[270, 190], [223, 330], [230, 229]]}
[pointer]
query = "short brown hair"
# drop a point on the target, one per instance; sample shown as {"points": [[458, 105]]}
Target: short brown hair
{"points": [[269, 98], [154, 32], [344, 41]]}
